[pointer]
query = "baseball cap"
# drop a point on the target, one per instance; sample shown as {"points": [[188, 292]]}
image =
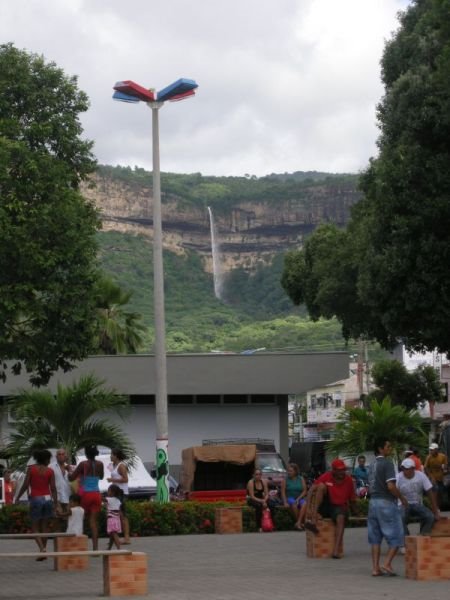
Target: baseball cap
{"points": [[338, 464], [409, 452], [434, 446], [408, 463]]}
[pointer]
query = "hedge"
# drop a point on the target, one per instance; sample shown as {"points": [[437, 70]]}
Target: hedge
{"points": [[151, 518]]}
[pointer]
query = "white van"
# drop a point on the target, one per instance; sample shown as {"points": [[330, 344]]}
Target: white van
{"points": [[140, 483]]}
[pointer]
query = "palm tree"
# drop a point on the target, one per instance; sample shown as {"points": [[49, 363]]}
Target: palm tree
{"points": [[358, 428], [118, 331], [72, 418]]}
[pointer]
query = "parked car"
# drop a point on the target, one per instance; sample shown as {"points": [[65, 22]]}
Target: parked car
{"points": [[140, 483]]}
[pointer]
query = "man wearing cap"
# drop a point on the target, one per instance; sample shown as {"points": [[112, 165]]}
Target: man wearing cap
{"points": [[331, 495], [413, 484], [436, 467]]}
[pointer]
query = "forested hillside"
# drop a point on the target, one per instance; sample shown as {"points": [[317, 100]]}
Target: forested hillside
{"points": [[258, 313]]}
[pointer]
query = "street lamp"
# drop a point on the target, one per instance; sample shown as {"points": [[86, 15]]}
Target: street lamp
{"points": [[129, 91]]}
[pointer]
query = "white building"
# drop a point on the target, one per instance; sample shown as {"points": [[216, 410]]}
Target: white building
{"points": [[210, 395]]}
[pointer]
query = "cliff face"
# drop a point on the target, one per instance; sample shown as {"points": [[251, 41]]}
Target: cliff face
{"points": [[248, 232]]}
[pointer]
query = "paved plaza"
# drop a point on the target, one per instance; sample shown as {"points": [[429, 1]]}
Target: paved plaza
{"points": [[225, 567]]}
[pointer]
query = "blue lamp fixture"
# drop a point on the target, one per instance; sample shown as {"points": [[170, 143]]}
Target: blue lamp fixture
{"points": [[129, 91]]}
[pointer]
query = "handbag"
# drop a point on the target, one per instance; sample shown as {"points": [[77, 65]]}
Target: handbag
{"points": [[266, 521]]}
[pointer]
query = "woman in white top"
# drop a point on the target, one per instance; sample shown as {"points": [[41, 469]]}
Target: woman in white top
{"points": [[119, 476]]}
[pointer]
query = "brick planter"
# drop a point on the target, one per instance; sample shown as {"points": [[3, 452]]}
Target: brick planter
{"points": [[320, 545], [228, 520], [441, 528], [427, 557], [68, 544], [125, 575]]}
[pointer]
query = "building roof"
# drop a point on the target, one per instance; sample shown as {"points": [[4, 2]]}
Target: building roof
{"points": [[268, 373]]}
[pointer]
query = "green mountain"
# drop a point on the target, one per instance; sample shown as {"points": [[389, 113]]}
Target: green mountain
{"points": [[258, 219], [258, 314]]}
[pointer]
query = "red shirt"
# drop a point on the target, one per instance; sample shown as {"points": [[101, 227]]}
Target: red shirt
{"points": [[417, 462], [339, 492], [40, 482]]}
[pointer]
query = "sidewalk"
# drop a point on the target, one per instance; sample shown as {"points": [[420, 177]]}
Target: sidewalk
{"points": [[225, 567]]}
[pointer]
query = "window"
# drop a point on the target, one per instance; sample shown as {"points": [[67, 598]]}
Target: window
{"points": [[208, 399], [181, 399], [235, 399], [263, 399], [148, 399]]}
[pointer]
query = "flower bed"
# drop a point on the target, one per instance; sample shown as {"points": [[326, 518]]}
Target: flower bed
{"points": [[151, 518]]}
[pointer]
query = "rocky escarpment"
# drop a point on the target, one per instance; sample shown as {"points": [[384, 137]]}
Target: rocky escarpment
{"points": [[248, 231]]}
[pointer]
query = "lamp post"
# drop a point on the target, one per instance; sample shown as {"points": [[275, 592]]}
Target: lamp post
{"points": [[129, 91]]}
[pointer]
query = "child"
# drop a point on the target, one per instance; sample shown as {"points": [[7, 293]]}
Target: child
{"points": [[113, 505], [75, 514]]}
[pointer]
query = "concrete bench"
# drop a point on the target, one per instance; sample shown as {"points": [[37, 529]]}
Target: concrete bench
{"points": [[62, 542], [427, 557], [321, 545], [359, 520], [31, 536], [124, 571], [228, 520]]}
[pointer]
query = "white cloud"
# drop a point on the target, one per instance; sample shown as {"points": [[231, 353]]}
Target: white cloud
{"points": [[287, 85]]}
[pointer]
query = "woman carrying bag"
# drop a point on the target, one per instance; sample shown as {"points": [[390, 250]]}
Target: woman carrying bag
{"points": [[258, 498]]}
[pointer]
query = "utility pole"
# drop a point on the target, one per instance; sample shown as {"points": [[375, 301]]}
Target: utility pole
{"points": [[360, 368], [366, 360]]}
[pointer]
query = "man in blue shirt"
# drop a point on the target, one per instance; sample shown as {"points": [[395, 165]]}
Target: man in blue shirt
{"points": [[360, 473]]}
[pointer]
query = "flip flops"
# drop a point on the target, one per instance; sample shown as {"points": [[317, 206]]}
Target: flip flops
{"points": [[388, 572]]}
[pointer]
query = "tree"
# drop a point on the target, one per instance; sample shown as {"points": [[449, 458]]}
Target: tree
{"points": [[322, 275], [404, 388], [71, 419], [118, 331], [404, 274], [47, 243], [358, 428], [392, 266]]}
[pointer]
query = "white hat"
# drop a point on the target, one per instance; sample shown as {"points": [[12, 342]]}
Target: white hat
{"points": [[409, 452], [434, 446], [408, 463]]}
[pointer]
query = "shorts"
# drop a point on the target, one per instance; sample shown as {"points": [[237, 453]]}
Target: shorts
{"points": [[91, 502], [331, 511], [384, 521], [438, 487], [40, 508], [113, 524], [298, 503]]}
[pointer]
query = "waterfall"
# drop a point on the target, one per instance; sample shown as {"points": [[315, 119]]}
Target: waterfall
{"points": [[217, 267]]}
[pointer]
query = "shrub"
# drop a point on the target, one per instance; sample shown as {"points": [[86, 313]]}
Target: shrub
{"points": [[151, 518]]}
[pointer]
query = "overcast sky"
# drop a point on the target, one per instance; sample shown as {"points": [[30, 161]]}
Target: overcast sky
{"points": [[284, 85]]}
